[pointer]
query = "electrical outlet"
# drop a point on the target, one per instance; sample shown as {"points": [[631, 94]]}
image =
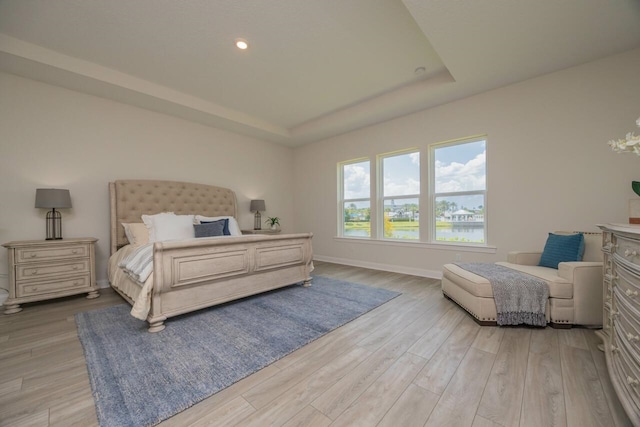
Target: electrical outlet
{"points": [[458, 257]]}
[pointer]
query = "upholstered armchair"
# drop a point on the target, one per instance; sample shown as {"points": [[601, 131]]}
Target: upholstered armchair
{"points": [[575, 288]]}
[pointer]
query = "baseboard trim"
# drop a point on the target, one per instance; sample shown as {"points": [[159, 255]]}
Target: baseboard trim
{"points": [[432, 274]]}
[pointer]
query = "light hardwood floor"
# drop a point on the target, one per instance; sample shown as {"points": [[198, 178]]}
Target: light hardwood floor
{"points": [[417, 360]]}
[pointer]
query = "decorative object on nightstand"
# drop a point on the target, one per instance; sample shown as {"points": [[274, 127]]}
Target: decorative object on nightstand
{"points": [[53, 198], [257, 206], [274, 222], [46, 269]]}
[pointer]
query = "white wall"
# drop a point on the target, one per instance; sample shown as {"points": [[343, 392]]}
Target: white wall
{"points": [[549, 167], [54, 137]]}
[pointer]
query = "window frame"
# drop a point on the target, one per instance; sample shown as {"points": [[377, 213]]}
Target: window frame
{"points": [[433, 195], [426, 198], [342, 200], [381, 197]]}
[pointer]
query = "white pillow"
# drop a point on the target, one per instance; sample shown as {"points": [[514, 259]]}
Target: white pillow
{"points": [[234, 229], [136, 232], [169, 226]]}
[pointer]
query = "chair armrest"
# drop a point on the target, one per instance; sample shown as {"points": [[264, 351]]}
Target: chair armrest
{"points": [[524, 258], [587, 290], [576, 270]]}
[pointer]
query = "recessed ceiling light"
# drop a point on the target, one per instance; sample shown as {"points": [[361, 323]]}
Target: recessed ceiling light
{"points": [[242, 44]]}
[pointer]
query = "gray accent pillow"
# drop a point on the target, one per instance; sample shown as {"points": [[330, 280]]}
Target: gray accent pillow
{"points": [[209, 229]]}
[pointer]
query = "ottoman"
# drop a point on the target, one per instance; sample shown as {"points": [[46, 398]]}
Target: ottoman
{"points": [[474, 294]]}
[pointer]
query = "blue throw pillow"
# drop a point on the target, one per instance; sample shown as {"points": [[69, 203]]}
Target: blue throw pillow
{"points": [[209, 229], [562, 248], [225, 230]]}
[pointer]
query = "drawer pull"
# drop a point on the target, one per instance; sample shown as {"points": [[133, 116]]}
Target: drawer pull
{"points": [[633, 382], [34, 272], [75, 251], [33, 255], [75, 267], [631, 293], [633, 338], [35, 288], [629, 252]]}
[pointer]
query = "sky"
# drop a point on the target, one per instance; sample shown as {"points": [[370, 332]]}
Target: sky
{"points": [[460, 167]]}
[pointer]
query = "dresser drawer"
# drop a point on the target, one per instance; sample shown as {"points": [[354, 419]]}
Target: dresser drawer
{"points": [[51, 253], [52, 286], [628, 250], [628, 329], [626, 285], [37, 271], [627, 376]]}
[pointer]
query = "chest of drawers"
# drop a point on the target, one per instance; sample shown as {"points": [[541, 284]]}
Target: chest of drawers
{"points": [[45, 269], [621, 330]]}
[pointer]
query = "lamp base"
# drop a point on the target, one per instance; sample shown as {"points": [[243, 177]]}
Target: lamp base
{"points": [[54, 225], [257, 222]]}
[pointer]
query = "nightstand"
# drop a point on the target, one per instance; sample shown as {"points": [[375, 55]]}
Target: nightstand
{"points": [[263, 231], [46, 269]]}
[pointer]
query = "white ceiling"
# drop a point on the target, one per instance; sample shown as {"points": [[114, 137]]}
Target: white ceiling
{"points": [[315, 68]]}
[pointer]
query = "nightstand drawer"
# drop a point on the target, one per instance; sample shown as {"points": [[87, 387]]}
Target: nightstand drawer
{"points": [[42, 270], [50, 286], [51, 253]]}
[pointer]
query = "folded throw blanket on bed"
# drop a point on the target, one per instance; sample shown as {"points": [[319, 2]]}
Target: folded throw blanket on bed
{"points": [[520, 298], [139, 264]]}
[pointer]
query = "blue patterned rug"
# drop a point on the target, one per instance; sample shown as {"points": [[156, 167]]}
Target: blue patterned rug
{"points": [[140, 379]]}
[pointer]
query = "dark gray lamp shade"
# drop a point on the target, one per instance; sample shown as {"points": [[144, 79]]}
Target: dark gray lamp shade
{"points": [[53, 198], [257, 206]]}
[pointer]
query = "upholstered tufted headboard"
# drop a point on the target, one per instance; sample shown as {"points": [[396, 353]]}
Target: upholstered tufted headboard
{"points": [[130, 199]]}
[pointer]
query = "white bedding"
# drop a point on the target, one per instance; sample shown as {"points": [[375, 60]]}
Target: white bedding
{"points": [[137, 292], [138, 264]]}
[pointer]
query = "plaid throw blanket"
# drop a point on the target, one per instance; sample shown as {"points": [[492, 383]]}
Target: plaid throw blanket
{"points": [[520, 298]]}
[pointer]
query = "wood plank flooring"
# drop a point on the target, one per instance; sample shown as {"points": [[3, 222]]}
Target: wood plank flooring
{"points": [[418, 360]]}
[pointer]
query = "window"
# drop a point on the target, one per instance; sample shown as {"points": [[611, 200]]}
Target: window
{"points": [[453, 208], [401, 195], [355, 205], [459, 191]]}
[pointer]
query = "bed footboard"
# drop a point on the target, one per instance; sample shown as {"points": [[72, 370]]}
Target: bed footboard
{"points": [[190, 275]]}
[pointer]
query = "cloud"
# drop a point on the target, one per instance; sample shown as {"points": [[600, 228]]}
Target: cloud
{"points": [[406, 187], [356, 182], [461, 176]]}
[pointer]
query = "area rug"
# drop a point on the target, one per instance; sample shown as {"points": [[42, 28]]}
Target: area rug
{"points": [[140, 379]]}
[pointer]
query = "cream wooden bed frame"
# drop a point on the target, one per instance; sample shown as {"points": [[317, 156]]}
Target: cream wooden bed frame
{"points": [[190, 275]]}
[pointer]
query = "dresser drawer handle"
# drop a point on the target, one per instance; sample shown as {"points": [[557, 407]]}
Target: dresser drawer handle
{"points": [[35, 288], [33, 255], [631, 293], [75, 267], [629, 252], [74, 251], [34, 272], [633, 382], [633, 338]]}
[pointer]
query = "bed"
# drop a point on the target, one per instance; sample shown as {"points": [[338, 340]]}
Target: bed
{"points": [[196, 273]]}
